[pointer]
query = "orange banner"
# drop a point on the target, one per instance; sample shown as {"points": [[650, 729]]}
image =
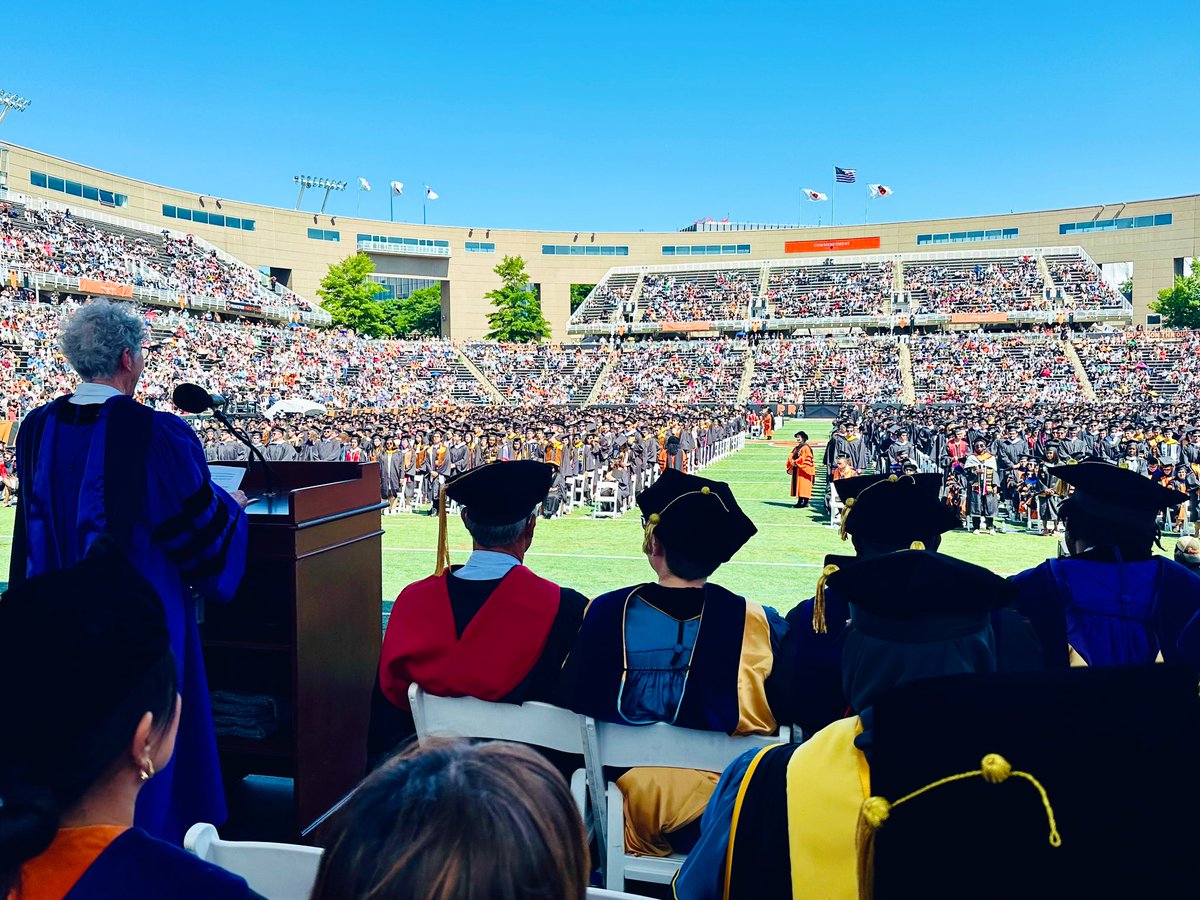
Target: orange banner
{"points": [[977, 318], [832, 245], [106, 288], [686, 326]]}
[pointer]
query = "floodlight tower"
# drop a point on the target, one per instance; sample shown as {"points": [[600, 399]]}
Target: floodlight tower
{"points": [[11, 101], [311, 181]]}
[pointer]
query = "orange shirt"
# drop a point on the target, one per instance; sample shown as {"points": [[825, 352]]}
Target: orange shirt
{"points": [[52, 874]]}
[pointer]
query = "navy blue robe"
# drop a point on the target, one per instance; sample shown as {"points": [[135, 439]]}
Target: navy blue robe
{"points": [[139, 476]]}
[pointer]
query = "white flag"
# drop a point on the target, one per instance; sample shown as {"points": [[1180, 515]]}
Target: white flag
{"points": [[363, 184], [880, 190], [814, 196], [430, 193], [397, 188]]}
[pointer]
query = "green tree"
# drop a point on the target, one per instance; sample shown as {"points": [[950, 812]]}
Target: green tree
{"points": [[1126, 288], [1179, 304], [352, 299], [518, 316], [579, 293], [418, 313]]}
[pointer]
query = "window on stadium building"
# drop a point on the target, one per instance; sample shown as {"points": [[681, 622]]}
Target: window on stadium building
{"points": [[324, 234], [583, 250], [75, 189], [1115, 224], [705, 249], [480, 247], [958, 237], [413, 242], [397, 287], [203, 217]]}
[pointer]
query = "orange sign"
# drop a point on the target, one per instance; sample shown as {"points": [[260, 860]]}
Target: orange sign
{"points": [[977, 318], [686, 326], [832, 245], [106, 288]]}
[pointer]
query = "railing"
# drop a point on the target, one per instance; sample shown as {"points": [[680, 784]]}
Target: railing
{"points": [[402, 249]]}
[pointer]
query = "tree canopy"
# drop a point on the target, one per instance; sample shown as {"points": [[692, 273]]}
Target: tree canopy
{"points": [[579, 293], [1179, 304], [418, 313], [352, 299], [518, 311]]}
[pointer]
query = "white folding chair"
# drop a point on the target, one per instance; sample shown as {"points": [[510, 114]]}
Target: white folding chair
{"points": [[602, 894], [569, 489], [535, 723], [607, 503], [277, 871], [629, 746]]}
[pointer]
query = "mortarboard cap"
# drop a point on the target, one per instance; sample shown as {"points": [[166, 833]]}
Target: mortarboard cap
{"points": [[1115, 494], [897, 508], [697, 518]]}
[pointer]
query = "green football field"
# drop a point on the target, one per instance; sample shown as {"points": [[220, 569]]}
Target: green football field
{"points": [[778, 567]]}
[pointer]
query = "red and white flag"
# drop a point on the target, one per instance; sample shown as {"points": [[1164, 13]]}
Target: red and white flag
{"points": [[430, 193], [880, 190], [363, 184], [397, 188], [814, 196]]}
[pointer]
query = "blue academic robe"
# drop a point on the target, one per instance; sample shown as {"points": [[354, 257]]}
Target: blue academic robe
{"points": [[139, 476]]}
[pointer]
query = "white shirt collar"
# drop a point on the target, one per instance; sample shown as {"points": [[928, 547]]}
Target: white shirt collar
{"points": [[89, 393]]}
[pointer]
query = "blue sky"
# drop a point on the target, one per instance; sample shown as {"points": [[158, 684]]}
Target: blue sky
{"points": [[623, 116]]}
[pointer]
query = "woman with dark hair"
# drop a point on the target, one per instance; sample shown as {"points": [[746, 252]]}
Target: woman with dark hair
{"points": [[452, 821], [90, 711]]}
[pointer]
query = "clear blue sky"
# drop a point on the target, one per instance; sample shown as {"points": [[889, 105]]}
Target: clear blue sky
{"points": [[623, 116]]}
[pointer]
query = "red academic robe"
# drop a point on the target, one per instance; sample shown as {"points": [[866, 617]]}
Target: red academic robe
{"points": [[803, 469]]}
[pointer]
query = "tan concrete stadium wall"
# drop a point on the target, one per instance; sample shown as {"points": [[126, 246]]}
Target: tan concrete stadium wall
{"points": [[280, 240]]}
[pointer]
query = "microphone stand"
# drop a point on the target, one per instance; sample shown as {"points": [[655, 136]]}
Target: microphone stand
{"points": [[268, 474]]}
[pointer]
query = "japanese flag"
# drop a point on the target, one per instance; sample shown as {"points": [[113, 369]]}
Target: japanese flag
{"points": [[880, 190], [815, 196], [363, 184]]}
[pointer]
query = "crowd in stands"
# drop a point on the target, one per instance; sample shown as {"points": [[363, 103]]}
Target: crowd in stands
{"points": [[61, 243], [826, 369], [1082, 282], [698, 297], [1134, 363], [1003, 285], [830, 289], [975, 366], [707, 371], [538, 373]]}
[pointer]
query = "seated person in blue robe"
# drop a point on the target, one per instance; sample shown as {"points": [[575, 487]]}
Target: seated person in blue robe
{"points": [[98, 462], [1112, 601], [680, 650], [89, 709], [883, 514], [913, 615]]}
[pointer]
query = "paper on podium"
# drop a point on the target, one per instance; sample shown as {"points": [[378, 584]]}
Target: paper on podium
{"points": [[227, 477]]}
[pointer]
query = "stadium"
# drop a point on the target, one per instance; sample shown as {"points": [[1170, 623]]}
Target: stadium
{"points": [[838, 387]]}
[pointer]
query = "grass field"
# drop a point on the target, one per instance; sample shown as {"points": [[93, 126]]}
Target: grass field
{"points": [[778, 567]]}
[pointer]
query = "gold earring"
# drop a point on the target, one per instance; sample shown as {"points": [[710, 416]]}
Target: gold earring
{"points": [[147, 773]]}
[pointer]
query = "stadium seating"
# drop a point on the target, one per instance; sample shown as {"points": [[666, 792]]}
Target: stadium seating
{"points": [[829, 289], [1132, 364], [1080, 281], [539, 373], [704, 295], [606, 299], [1009, 284], [826, 370], [977, 367], [706, 371]]}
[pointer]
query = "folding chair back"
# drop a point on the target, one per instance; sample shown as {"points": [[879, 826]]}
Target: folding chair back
{"points": [[276, 871]]}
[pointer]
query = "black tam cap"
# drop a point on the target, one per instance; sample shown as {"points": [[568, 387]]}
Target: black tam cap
{"points": [[1080, 754], [898, 509], [697, 517], [1115, 494], [501, 493]]}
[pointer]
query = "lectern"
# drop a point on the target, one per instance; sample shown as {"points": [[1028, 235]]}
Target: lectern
{"points": [[305, 626]]}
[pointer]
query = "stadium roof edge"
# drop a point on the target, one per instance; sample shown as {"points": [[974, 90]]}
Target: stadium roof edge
{"points": [[672, 233]]}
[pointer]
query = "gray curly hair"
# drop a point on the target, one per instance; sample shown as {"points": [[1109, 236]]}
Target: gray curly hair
{"points": [[94, 337]]}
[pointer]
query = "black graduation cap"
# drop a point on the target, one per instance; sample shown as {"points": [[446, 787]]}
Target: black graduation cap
{"points": [[1115, 494], [501, 493], [697, 517], [888, 593], [896, 508], [1103, 757]]}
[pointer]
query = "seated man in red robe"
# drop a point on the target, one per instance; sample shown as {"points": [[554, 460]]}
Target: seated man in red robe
{"points": [[490, 628]]}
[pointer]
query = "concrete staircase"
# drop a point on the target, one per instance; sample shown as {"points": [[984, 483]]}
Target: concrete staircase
{"points": [[1085, 383], [607, 370], [635, 296], [475, 371], [743, 393], [904, 352], [1044, 271]]}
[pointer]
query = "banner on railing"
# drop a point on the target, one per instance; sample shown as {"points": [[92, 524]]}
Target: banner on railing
{"points": [[977, 318], [831, 245], [106, 288], [686, 326], [243, 307]]}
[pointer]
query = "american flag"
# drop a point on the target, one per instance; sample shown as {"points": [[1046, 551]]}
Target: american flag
{"points": [[845, 176]]}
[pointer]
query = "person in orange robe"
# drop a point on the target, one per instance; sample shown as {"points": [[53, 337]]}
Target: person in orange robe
{"points": [[803, 469], [768, 423]]}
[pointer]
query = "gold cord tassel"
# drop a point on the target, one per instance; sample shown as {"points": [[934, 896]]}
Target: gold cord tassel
{"points": [[845, 516], [917, 545], [651, 521], [818, 622], [994, 769], [443, 544]]}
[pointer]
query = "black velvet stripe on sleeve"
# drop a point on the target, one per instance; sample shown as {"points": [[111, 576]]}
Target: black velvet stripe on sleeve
{"points": [[182, 521], [214, 564], [202, 539]]}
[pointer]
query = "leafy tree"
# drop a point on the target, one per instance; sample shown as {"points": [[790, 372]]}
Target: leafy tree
{"points": [[351, 297], [518, 316], [1126, 288], [418, 313], [1180, 303], [579, 293]]}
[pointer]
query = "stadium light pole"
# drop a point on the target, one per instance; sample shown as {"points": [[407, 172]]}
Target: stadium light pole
{"points": [[311, 181], [11, 101]]}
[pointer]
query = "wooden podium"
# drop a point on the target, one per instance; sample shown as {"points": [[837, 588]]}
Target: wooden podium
{"points": [[306, 625]]}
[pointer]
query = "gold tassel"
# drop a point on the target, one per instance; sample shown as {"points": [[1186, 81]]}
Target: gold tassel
{"points": [[651, 521], [443, 544], [845, 516], [917, 545], [818, 623]]}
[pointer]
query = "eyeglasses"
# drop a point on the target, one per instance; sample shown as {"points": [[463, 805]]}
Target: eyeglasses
{"points": [[150, 349]]}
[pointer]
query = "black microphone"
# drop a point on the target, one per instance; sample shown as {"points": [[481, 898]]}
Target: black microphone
{"points": [[192, 398]]}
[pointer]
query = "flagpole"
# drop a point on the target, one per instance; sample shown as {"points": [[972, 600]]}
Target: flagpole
{"points": [[867, 204], [800, 207], [391, 204], [424, 201], [833, 201]]}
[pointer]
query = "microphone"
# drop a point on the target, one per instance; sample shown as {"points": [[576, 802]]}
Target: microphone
{"points": [[192, 398]]}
